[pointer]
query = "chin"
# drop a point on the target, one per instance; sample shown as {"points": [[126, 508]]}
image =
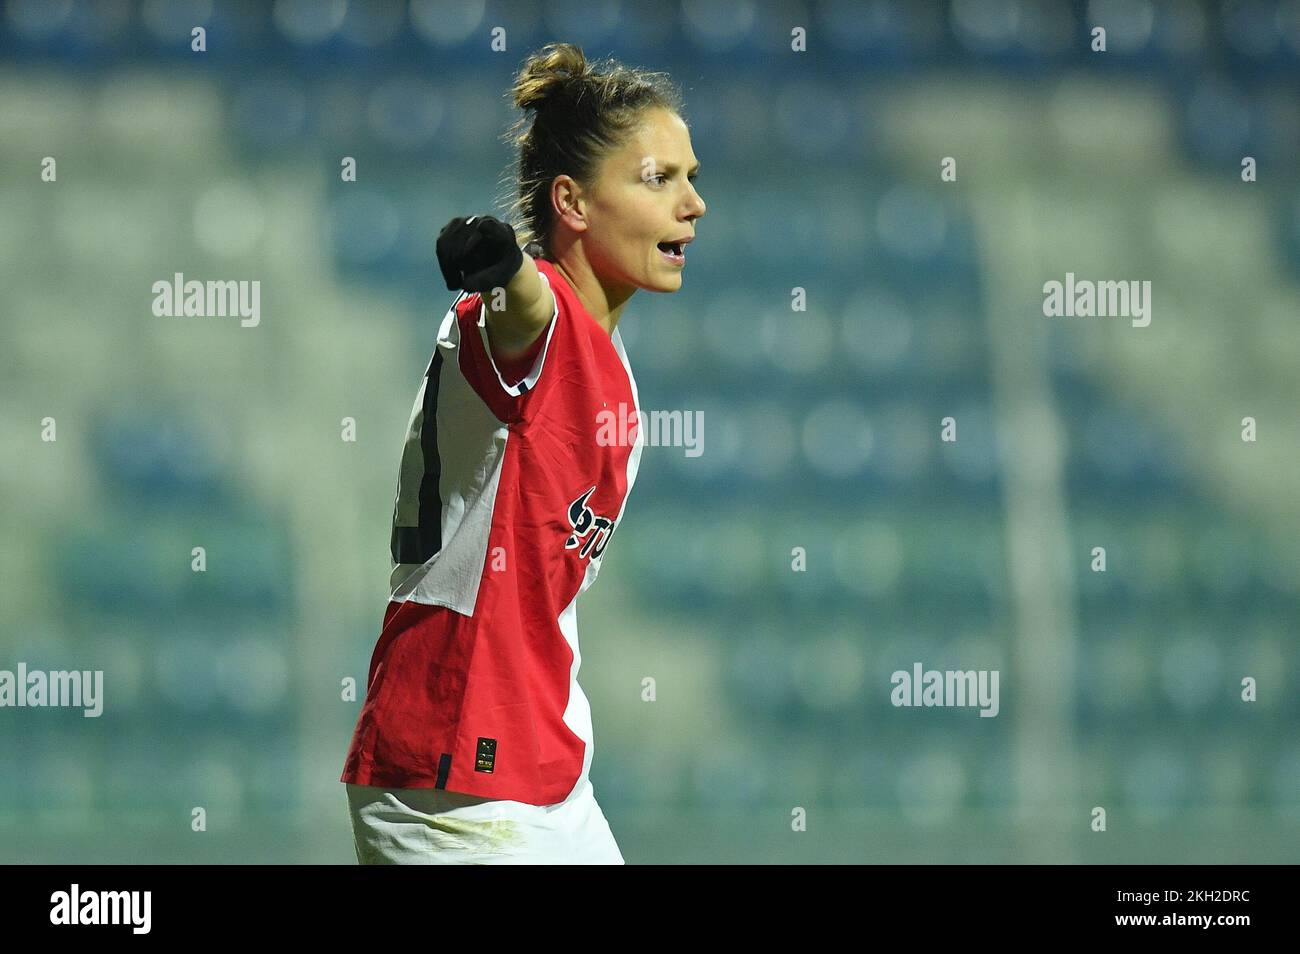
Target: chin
{"points": [[670, 283]]}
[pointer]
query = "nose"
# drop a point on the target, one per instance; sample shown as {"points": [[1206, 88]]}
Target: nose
{"points": [[696, 207]]}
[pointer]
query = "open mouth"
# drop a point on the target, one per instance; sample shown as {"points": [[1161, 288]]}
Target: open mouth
{"points": [[674, 252]]}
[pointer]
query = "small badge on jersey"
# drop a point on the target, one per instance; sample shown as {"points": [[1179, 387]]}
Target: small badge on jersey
{"points": [[487, 755], [584, 521]]}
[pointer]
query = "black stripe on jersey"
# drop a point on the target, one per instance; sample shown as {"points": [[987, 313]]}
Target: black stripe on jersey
{"points": [[418, 544], [444, 769]]}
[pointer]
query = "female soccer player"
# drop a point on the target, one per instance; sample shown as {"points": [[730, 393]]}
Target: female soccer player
{"points": [[475, 739]]}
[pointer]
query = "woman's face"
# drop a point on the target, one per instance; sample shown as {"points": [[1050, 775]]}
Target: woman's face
{"points": [[643, 195]]}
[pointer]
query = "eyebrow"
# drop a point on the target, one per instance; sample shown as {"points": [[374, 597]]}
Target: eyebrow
{"points": [[671, 168]]}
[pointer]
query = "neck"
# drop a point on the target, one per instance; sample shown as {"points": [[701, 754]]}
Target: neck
{"points": [[603, 302]]}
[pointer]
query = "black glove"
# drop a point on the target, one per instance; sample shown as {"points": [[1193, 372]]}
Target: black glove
{"points": [[479, 253]]}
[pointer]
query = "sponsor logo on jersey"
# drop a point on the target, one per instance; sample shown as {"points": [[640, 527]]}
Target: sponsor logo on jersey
{"points": [[597, 530]]}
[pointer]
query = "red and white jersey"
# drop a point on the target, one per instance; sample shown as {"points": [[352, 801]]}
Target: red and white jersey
{"points": [[509, 493]]}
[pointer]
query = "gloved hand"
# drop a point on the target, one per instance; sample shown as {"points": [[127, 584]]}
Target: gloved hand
{"points": [[478, 253]]}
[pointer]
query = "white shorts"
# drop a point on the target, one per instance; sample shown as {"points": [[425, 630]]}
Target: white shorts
{"points": [[430, 826]]}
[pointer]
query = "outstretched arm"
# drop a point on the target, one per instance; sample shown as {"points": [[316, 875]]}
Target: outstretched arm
{"points": [[481, 254]]}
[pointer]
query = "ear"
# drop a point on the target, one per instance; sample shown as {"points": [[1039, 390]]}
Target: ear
{"points": [[568, 203]]}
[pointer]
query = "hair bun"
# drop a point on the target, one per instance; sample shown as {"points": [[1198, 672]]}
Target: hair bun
{"points": [[547, 73]]}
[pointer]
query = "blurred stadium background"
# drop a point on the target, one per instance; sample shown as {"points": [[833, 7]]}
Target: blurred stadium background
{"points": [[1119, 689]]}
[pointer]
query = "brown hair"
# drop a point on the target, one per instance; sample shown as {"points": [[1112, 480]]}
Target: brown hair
{"points": [[581, 111]]}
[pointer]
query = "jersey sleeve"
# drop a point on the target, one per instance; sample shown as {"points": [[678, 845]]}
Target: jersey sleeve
{"points": [[508, 387], [516, 369]]}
